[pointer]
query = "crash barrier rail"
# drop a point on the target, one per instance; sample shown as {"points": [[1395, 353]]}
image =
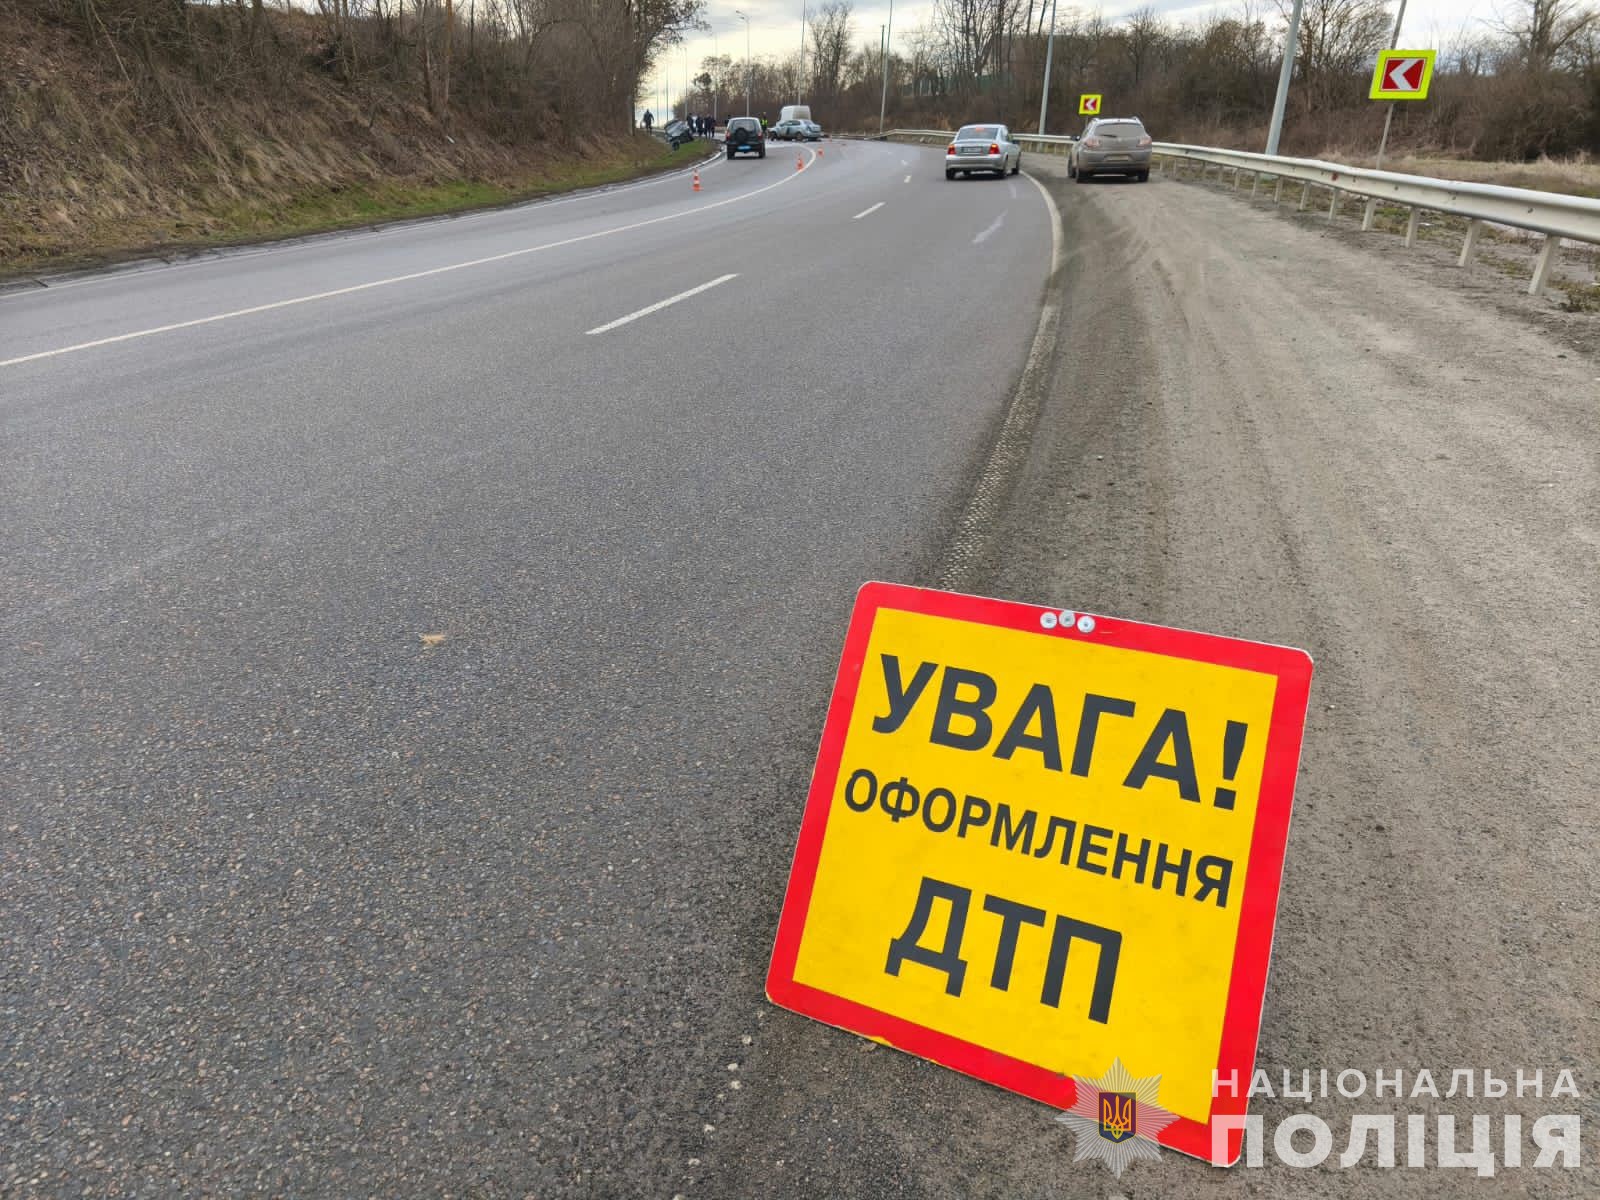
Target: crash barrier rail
{"points": [[1556, 216]]}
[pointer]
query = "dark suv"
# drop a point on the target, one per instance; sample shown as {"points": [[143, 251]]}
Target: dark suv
{"points": [[744, 133]]}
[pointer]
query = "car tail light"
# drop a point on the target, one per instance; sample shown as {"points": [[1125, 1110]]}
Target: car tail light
{"points": [[950, 149], [994, 148], [1146, 142], [1092, 142]]}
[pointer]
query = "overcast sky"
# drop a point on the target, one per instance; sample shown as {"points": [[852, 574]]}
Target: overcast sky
{"points": [[775, 25]]}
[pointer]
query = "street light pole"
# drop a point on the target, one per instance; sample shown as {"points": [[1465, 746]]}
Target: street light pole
{"points": [[746, 21], [1394, 44], [1291, 47], [1049, 53], [888, 35], [799, 82]]}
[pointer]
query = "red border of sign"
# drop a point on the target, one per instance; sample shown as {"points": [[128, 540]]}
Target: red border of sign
{"points": [[1252, 952]]}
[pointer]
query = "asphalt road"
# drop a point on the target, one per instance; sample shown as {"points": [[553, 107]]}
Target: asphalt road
{"points": [[297, 904]]}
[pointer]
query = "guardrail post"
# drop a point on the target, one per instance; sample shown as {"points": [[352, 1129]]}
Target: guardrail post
{"points": [[1238, 178], [1469, 244], [1369, 216], [1255, 185], [1412, 224], [1305, 196], [1277, 193], [1333, 203], [1544, 265]]}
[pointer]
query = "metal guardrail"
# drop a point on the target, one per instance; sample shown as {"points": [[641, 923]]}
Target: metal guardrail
{"points": [[1556, 216]]}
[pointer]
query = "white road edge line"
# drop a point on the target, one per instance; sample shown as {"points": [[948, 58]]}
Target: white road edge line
{"points": [[1055, 224], [378, 283], [866, 212], [976, 523], [659, 305], [312, 241]]}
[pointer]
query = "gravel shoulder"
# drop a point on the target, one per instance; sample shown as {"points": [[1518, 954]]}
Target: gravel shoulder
{"points": [[1254, 432], [1247, 434]]}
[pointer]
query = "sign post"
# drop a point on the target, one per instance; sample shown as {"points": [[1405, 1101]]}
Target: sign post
{"points": [[1044, 848]]}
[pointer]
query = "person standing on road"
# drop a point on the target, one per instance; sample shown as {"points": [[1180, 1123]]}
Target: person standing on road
{"points": [[649, 120]]}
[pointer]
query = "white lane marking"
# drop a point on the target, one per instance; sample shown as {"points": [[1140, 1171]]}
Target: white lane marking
{"points": [[908, 179], [354, 233], [863, 213], [905, 162], [1013, 188], [1055, 223], [378, 283], [660, 304], [989, 232]]}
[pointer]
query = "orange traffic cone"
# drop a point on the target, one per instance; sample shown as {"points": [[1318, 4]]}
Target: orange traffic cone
{"points": [[798, 165], [697, 181]]}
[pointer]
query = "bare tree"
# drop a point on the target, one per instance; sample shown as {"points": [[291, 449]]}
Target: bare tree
{"points": [[1543, 31], [830, 32], [1338, 39]]}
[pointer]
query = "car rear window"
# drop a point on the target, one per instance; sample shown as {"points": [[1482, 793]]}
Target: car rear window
{"points": [[1121, 129], [978, 133]]}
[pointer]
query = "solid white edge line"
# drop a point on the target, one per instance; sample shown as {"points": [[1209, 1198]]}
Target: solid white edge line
{"points": [[378, 283], [354, 233], [1055, 224], [659, 305], [863, 213]]}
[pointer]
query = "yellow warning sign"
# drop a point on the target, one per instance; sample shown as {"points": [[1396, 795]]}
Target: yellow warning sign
{"points": [[1089, 104], [1402, 75], [1038, 843]]}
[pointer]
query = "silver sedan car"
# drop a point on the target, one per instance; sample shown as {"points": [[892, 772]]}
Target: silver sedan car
{"points": [[982, 148]]}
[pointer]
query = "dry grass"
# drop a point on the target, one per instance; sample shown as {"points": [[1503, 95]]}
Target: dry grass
{"points": [[1578, 176], [87, 175]]}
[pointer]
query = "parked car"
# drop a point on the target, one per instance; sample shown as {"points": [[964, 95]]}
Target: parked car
{"points": [[745, 137], [1111, 146], [791, 130], [812, 131], [982, 148]]}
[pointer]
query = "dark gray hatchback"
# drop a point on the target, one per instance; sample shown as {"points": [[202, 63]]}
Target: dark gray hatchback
{"points": [[1111, 146]]}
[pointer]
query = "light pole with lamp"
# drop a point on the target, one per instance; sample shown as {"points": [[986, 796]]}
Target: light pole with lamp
{"points": [[746, 21]]}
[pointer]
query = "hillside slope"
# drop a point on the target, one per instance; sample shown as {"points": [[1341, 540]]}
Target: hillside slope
{"points": [[113, 148]]}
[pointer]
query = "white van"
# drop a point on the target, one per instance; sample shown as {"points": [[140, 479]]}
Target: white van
{"points": [[795, 112]]}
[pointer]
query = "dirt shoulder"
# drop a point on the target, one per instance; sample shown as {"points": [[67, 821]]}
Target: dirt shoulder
{"points": [[1272, 430]]}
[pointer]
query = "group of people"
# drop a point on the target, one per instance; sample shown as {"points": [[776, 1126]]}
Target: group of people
{"points": [[699, 126]]}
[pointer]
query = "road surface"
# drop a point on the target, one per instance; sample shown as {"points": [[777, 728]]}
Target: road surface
{"points": [[297, 904]]}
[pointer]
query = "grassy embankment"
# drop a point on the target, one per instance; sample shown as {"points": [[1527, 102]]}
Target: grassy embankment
{"points": [[94, 167]]}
